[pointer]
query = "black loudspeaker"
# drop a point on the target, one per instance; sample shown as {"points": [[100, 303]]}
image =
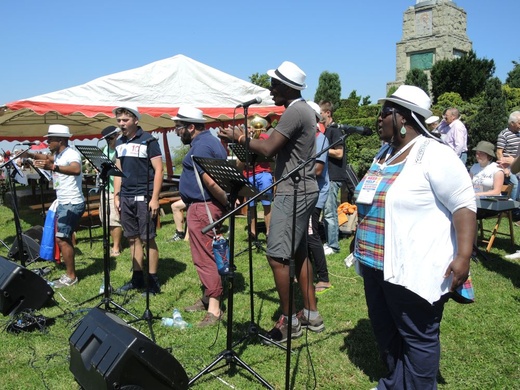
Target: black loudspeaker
{"points": [[31, 239], [107, 353], [21, 288]]}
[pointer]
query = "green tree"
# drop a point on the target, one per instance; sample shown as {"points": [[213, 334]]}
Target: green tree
{"points": [[512, 98], [513, 77], [391, 90], [262, 80], [347, 108], [418, 78], [329, 88], [491, 117], [466, 75]]}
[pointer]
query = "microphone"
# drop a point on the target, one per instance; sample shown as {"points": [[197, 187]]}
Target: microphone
{"points": [[27, 143], [149, 141], [256, 100], [347, 129], [116, 131]]}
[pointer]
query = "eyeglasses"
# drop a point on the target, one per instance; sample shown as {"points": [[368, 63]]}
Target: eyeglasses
{"points": [[179, 128], [385, 111]]}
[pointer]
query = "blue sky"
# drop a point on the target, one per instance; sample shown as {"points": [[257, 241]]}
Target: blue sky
{"points": [[56, 44]]}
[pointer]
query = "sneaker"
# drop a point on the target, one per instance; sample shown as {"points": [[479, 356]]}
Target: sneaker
{"points": [[131, 285], [316, 325], [328, 250], [209, 319], [280, 331], [65, 281], [197, 306], [178, 236], [513, 256]]}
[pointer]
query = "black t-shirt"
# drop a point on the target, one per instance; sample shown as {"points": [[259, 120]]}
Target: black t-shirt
{"points": [[337, 167]]}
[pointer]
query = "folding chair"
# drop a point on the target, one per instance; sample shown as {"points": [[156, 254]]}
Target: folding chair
{"points": [[506, 190]]}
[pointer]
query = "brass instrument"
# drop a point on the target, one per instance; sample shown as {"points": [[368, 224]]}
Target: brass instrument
{"points": [[256, 126]]}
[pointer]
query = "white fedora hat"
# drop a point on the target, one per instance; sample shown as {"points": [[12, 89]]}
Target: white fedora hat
{"points": [[289, 74], [411, 97], [129, 107], [189, 114], [58, 131]]}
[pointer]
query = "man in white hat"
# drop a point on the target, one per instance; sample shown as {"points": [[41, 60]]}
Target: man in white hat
{"points": [[199, 201], [139, 156], [292, 141], [67, 176]]}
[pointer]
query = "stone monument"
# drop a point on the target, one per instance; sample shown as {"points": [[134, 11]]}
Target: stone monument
{"points": [[433, 30]]}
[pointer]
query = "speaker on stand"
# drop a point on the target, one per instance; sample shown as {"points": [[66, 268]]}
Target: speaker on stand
{"points": [[107, 353]]}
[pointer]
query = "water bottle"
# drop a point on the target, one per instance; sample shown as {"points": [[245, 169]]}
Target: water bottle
{"points": [[102, 288], [221, 253], [167, 321], [178, 321]]}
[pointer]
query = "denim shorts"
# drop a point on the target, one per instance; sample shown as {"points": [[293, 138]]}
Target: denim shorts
{"points": [[68, 216], [262, 181]]}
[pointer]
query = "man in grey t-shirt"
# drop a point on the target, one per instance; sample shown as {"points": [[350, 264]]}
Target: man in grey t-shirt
{"points": [[292, 141]]}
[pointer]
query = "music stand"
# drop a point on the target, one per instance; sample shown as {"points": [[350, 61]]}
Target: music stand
{"points": [[231, 180], [105, 167], [12, 172], [45, 177], [250, 158]]}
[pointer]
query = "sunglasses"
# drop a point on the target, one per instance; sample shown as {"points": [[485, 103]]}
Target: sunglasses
{"points": [[385, 111]]}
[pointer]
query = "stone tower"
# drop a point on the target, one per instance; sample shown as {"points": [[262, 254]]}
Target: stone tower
{"points": [[433, 30]]}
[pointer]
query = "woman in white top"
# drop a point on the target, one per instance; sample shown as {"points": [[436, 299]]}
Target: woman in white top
{"points": [[487, 176]]}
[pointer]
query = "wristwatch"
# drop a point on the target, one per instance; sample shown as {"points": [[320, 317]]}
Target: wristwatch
{"points": [[56, 168]]}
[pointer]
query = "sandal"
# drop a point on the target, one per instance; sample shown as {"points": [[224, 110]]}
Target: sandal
{"points": [[321, 287], [114, 253]]}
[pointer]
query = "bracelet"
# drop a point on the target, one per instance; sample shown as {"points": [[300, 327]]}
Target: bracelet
{"points": [[239, 138]]}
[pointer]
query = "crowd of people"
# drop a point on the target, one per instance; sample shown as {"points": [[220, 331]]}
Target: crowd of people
{"points": [[408, 275]]}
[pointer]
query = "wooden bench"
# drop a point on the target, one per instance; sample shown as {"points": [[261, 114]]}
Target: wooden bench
{"points": [[92, 206]]}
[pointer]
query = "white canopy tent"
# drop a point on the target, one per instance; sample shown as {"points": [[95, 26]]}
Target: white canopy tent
{"points": [[158, 89]]}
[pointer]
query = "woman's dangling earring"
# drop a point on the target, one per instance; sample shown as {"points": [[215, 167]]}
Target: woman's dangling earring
{"points": [[403, 132]]}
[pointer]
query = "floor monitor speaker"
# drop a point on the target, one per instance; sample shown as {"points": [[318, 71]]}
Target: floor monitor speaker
{"points": [[107, 353], [21, 288], [31, 248]]}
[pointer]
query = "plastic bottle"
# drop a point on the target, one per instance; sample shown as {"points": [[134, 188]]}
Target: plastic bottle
{"points": [[221, 253], [102, 288], [176, 321]]}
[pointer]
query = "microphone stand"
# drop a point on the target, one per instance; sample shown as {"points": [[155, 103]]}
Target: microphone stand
{"points": [[253, 328], [294, 174], [104, 166], [147, 314]]}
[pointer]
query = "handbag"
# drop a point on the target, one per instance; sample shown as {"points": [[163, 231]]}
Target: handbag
{"points": [[47, 241], [220, 243]]}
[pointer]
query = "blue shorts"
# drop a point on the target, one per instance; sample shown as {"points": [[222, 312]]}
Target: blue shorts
{"points": [[263, 180], [68, 216]]}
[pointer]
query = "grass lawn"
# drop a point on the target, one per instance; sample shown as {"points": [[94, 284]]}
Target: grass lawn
{"points": [[480, 342]]}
